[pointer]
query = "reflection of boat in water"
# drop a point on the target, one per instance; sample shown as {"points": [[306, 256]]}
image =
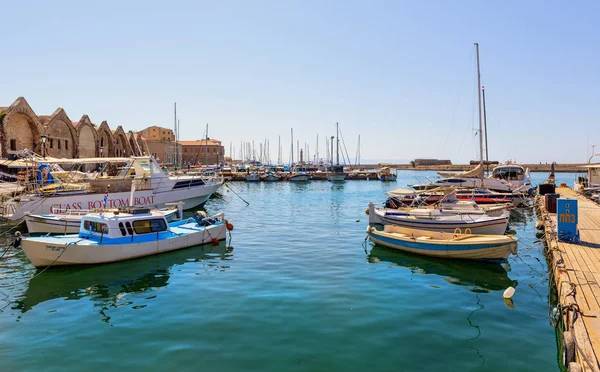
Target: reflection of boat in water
{"points": [[479, 276], [107, 284]]}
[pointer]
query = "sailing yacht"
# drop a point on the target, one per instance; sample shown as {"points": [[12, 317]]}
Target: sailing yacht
{"points": [[337, 171]]}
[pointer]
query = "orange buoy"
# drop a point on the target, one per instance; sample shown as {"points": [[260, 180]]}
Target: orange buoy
{"points": [[228, 225]]}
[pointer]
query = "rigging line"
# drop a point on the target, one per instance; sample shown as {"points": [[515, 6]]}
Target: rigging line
{"points": [[472, 113], [458, 95]]}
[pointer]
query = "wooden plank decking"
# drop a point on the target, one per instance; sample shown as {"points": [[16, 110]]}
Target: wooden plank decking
{"points": [[576, 273]]}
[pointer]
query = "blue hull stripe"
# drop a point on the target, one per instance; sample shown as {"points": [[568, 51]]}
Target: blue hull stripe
{"points": [[434, 247]]}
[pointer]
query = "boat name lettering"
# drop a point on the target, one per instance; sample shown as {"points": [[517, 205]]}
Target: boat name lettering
{"points": [[97, 204], [55, 247]]}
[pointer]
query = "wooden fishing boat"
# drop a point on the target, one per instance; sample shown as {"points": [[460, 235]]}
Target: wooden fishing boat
{"points": [[446, 245], [479, 222], [130, 233]]}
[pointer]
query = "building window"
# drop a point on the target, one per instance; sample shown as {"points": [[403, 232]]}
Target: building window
{"points": [[117, 140], [13, 145], [58, 143], [66, 144], [102, 142], [214, 150], [51, 143]]}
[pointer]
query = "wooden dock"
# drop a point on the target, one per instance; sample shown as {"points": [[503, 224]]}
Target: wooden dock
{"points": [[575, 271]]}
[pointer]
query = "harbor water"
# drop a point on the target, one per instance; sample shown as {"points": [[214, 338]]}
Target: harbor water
{"points": [[297, 288]]}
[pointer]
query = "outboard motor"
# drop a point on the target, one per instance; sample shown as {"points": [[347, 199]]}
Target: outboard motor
{"points": [[202, 219]]}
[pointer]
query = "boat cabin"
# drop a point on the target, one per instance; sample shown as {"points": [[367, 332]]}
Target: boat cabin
{"points": [[509, 173], [127, 222], [591, 180]]}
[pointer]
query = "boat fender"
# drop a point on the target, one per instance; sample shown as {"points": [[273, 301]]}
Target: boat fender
{"points": [[369, 229], [367, 211], [539, 225], [16, 243], [509, 292], [514, 248], [228, 225]]}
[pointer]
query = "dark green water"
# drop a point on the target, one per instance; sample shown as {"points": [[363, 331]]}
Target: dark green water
{"points": [[294, 290]]}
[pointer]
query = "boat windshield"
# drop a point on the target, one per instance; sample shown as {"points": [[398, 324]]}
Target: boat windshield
{"points": [[149, 226], [97, 227]]}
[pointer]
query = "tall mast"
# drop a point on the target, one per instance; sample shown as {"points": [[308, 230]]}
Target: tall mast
{"points": [[317, 151], [479, 109], [485, 124], [331, 158], [175, 125], [292, 155], [279, 151], [337, 144]]}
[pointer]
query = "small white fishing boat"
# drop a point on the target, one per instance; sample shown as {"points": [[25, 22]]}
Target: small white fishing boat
{"points": [[480, 222], [123, 235], [253, 177], [70, 221], [299, 175], [446, 245], [386, 175], [271, 176]]}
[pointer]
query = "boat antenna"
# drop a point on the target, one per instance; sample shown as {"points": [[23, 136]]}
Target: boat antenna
{"points": [[479, 107]]}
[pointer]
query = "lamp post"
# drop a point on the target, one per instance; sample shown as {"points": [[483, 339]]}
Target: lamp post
{"points": [[44, 138], [101, 151]]}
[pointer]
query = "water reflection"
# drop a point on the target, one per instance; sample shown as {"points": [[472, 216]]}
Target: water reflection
{"points": [[478, 276], [107, 285]]}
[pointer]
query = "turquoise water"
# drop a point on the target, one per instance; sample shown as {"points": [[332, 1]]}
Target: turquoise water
{"points": [[295, 289]]}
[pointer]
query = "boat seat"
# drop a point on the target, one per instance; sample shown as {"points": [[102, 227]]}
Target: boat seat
{"points": [[424, 238], [400, 235]]}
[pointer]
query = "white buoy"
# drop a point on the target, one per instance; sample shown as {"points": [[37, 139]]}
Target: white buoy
{"points": [[510, 291]]}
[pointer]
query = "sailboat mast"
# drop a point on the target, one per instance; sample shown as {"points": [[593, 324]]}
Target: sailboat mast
{"points": [[331, 151], [317, 152], [485, 124], [175, 125], [292, 161], [337, 144], [479, 109], [279, 151]]}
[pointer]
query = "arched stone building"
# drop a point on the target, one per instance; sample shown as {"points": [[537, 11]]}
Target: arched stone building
{"points": [[60, 135], [122, 146], [105, 141], [20, 129], [86, 138]]}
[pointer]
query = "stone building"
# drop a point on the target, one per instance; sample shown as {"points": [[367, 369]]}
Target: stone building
{"points": [[21, 128], [155, 133], [202, 151]]}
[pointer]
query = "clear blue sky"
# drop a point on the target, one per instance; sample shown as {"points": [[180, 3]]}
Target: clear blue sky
{"points": [[400, 74]]}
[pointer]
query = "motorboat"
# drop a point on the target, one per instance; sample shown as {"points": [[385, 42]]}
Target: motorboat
{"points": [[70, 221], [458, 244], [110, 188], [337, 174], [106, 237], [589, 183], [271, 176], [479, 222], [253, 176], [386, 175], [299, 174]]}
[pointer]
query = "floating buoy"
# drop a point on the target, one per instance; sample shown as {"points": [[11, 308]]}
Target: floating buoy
{"points": [[228, 225], [369, 228], [510, 291], [215, 241], [17, 242]]}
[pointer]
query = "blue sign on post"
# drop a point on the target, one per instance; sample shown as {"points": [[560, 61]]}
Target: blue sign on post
{"points": [[566, 218]]}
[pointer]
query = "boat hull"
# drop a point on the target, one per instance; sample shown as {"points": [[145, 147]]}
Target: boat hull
{"points": [[458, 249], [72, 250], [192, 197], [336, 177], [299, 178]]}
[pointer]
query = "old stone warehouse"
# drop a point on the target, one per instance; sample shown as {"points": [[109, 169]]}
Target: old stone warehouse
{"points": [[58, 136]]}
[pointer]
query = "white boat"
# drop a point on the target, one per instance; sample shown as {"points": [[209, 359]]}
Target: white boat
{"points": [[590, 182], [299, 175], [479, 222], [447, 245], [153, 188], [254, 176], [271, 176], [112, 237], [70, 221]]}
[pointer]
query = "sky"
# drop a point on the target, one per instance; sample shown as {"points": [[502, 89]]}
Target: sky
{"points": [[401, 74]]}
